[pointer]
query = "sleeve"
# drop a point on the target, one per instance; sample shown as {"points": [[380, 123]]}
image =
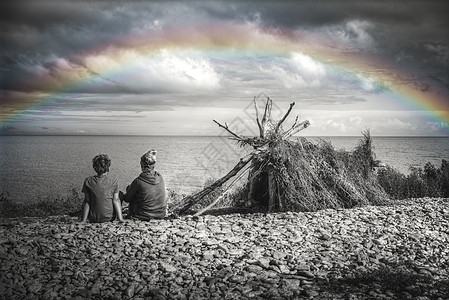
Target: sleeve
{"points": [[129, 196], [84, 189]]}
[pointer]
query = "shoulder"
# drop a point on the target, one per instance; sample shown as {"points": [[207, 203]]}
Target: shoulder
{"points": [[112, 179], [88, 179]]}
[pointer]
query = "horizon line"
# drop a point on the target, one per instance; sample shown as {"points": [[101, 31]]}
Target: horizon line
{"points": [[200, 135]]}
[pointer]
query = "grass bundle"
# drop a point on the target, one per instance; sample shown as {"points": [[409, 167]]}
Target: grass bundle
{"points": [[304, 176]]}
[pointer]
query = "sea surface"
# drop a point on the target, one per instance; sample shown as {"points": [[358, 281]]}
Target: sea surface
{"points": [[35, 167]]}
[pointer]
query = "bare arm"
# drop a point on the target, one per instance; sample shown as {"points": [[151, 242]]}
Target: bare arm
{"points": [[117, 207], [86, 207]]}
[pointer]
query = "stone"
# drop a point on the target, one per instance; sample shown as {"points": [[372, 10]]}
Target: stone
{"points": [[310, 293], [130, 291], [22, 251], [35, 287], [95, 289], [254, 269], [208, 255], [292, 284], [166, 267], [263, 262], [305, 273]]}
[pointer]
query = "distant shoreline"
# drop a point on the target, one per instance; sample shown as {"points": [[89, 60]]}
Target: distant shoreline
{"points": [[175, 135]]}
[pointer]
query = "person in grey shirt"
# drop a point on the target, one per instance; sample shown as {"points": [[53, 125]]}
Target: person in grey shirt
{"points": [[101, 193]]}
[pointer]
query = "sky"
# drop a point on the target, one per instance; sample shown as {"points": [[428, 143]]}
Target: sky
{"points": [[171, 67]]}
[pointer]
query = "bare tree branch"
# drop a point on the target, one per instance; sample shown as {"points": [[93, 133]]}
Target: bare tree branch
{"points": [[291, 128], [225, 126], [284, 117], [301, 126], [267, 112], [257, 118]]}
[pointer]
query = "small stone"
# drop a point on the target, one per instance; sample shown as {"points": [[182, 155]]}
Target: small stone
{"points": [[284, 269], [95, 289], [208, 255], [279, 255], [305, 273], [22, 251], [130, 291], [183, 257], [292, 284], [83, 292], [254, 269], [35, 287], [166, 267], [310, 293], [263, 262], [379, 241]]}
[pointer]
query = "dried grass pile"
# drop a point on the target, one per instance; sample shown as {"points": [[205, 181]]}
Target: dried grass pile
{"points": [[305, 176]]}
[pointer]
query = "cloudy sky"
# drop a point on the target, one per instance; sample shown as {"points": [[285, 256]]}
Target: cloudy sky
{"points": [[156, 68]]}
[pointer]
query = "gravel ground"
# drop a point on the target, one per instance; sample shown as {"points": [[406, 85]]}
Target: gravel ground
{"points": [[383, 252]]}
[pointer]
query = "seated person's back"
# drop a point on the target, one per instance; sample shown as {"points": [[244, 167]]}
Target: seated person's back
{"points": [[146, 194], [101, 202]]}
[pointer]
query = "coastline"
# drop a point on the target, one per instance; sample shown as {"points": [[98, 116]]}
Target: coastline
{"points": [[391, 252]]}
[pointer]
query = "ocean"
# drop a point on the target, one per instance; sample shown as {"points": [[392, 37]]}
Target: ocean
{"points": [[35, 167]]}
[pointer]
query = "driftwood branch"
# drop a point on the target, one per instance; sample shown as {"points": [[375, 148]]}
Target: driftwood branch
{"points": [[225, 126], [257, 119], [189, 201], [267, 112], [284, 117], [221, 196], [291, 128], [301, 126], [211, 205]]}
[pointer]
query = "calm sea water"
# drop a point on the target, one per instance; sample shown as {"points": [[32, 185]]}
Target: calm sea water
{"points": [[33, 167]]}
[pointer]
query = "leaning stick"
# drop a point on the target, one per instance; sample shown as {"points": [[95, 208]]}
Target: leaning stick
{"points": [[221, 196], [225, 126], [257, 118], [284, 117], [301, 126], [189, 201], [267, 112], [291, 128]]}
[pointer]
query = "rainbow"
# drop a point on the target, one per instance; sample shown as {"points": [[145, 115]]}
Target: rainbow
{"points": [[228, 42]]}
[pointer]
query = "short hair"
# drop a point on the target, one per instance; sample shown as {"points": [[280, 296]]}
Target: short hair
{"points": [[101, 163], [148, 159]]}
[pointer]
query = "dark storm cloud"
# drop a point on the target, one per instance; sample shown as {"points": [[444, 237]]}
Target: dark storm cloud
{"points": [[73, 25], [292, 14], [32, 30], [412, 34]]}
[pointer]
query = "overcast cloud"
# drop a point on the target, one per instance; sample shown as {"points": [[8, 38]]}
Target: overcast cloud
{"points": [[107, 67]]}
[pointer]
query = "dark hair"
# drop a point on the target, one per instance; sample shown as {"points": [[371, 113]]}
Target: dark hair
{"points": [[101, 163]]}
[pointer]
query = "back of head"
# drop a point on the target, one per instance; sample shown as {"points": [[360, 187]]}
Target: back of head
{"points": [[148, 160], [101, 163]]}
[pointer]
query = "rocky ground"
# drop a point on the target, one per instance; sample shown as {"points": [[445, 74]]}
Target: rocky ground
{"points": [[390, 252]]}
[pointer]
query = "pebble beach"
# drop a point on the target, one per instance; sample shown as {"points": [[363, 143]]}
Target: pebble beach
{"points": [[375, 252]]}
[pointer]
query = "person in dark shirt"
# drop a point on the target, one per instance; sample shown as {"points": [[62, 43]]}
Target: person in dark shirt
{"points": [[101, 193], [146, 194]]}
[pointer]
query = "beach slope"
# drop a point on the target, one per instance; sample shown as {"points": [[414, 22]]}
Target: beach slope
{"points": [[373, 252]]}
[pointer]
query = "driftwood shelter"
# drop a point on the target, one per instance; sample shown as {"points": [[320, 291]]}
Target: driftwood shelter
{"points": [[295, 174]]}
